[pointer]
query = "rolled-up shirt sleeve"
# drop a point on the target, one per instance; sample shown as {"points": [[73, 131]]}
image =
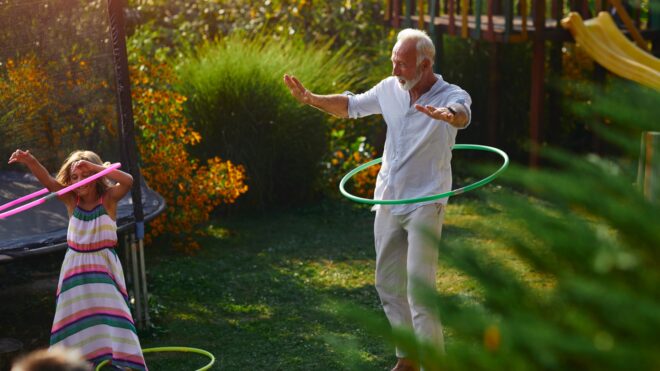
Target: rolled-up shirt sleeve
{"points": [[365, 104], [462, 97]]}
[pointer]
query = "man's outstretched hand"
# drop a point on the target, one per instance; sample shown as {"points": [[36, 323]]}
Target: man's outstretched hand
{"points": [[444, 114], [297, 89]]}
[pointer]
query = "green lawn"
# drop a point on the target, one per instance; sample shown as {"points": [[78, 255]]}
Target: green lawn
{"points": [[260, 294]]}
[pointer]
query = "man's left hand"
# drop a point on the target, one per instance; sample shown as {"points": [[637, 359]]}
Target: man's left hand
{"points": [[442, 113]]}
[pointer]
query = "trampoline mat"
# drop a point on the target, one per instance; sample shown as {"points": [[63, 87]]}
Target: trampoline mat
{"points": [[43, 228]]}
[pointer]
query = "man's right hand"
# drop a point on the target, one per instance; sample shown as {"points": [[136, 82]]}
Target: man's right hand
{"points": [[334, 104], [297, 89]]}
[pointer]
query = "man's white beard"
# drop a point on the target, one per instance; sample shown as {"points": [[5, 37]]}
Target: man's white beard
{"points": [[409, 84]]}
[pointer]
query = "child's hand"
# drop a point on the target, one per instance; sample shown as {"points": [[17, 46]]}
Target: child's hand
{"points": [[20, 156], [85, 166]]}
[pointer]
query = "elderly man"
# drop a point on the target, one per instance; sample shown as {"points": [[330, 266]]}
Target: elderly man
{"points": [[423, 114]]}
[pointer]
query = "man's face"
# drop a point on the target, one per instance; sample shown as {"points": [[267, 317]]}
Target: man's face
{"points": [[404, 64]]}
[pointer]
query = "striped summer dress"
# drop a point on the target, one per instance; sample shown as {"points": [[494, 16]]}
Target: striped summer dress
{"points": [[92, 311]]}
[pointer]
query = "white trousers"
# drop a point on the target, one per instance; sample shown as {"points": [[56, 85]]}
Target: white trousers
{"points": [[405, 258]]}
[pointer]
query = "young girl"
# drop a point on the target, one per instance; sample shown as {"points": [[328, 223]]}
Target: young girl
{"points": [[92, 311]]}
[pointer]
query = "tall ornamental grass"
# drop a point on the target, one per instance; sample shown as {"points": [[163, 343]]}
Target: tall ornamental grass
{"points": [[241, 107]]}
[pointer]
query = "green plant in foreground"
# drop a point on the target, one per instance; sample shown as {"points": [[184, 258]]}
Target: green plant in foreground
{"points": [[584, 226]]}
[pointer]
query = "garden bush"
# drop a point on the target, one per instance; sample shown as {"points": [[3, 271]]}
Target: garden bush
{"points": [[241, 107], [191, 188], [56, 82], [176, 25]]}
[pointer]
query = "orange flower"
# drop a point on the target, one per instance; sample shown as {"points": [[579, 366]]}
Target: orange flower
{"points": [[191, 190], [492, 338]]}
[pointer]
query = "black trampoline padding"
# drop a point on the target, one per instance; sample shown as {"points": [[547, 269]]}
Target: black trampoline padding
{"points": [[43, 228]]}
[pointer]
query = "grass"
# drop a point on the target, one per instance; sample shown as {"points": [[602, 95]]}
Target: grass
{"points": [[261, 293], [258, 295]]}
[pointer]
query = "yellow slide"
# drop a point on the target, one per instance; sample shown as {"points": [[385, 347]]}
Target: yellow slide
{"points": [[605, 43]]}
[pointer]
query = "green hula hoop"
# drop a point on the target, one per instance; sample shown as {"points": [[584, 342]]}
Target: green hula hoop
{"points": [[172, 349], [454, 192]]}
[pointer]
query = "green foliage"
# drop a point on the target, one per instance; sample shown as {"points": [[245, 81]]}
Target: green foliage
{"points": [[467, 63], [55, 78], [177, 24], [586, 228], [4, 122], [166, 31], [241, 107]]}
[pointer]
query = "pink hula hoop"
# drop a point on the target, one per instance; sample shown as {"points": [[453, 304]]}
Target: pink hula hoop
{"points": [[51, 194]]}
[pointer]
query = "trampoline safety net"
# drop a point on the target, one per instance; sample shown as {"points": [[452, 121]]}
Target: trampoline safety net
{"points": [[57, 95]]}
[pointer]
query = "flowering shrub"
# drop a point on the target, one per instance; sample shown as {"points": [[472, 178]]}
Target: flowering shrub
{"points": [[34, 116], [53, 109], [192, 190], [25, 93], [346, 158]]}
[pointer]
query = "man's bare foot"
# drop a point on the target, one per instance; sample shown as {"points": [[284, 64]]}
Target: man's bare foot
{"points": [[404, 364]]}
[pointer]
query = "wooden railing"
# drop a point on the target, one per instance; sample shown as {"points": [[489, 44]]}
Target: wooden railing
{"points": [[497, 20]]}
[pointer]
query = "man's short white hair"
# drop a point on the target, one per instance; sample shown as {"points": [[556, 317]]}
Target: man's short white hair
{"points": [[425, 47]]}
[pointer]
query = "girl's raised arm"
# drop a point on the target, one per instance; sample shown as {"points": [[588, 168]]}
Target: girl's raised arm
{"points": [[124, 184], [39, 171]]}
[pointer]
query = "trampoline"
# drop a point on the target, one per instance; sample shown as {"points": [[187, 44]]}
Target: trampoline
{"points": [[42, 229]]}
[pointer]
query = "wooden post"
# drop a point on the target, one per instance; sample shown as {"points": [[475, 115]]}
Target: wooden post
{"points": [[420, 14], [388, 11], [654, 20], [538, 77], [554, 94], [648, 174], [493, 107], [477, 19], [452, 20], [439, 51], [523, 15], [396, 13], [508, 19], [408, 22], [432, 11], [490, 34], [465, 8], [654, 24]]}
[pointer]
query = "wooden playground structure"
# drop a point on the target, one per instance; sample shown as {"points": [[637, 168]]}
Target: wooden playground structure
{"points": [[538, 22]]}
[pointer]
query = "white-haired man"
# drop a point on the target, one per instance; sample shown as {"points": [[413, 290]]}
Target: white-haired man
{"points": [[423, 114]]}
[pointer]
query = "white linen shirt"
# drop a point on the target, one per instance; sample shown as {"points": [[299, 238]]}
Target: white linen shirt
{"points": [[417, 156]]}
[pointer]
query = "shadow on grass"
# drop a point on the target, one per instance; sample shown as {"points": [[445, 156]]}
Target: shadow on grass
{"points": [[259, 298], [260, 294]]}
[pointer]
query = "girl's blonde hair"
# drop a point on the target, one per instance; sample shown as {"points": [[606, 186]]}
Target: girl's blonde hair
{"points": [[64, 175]]}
